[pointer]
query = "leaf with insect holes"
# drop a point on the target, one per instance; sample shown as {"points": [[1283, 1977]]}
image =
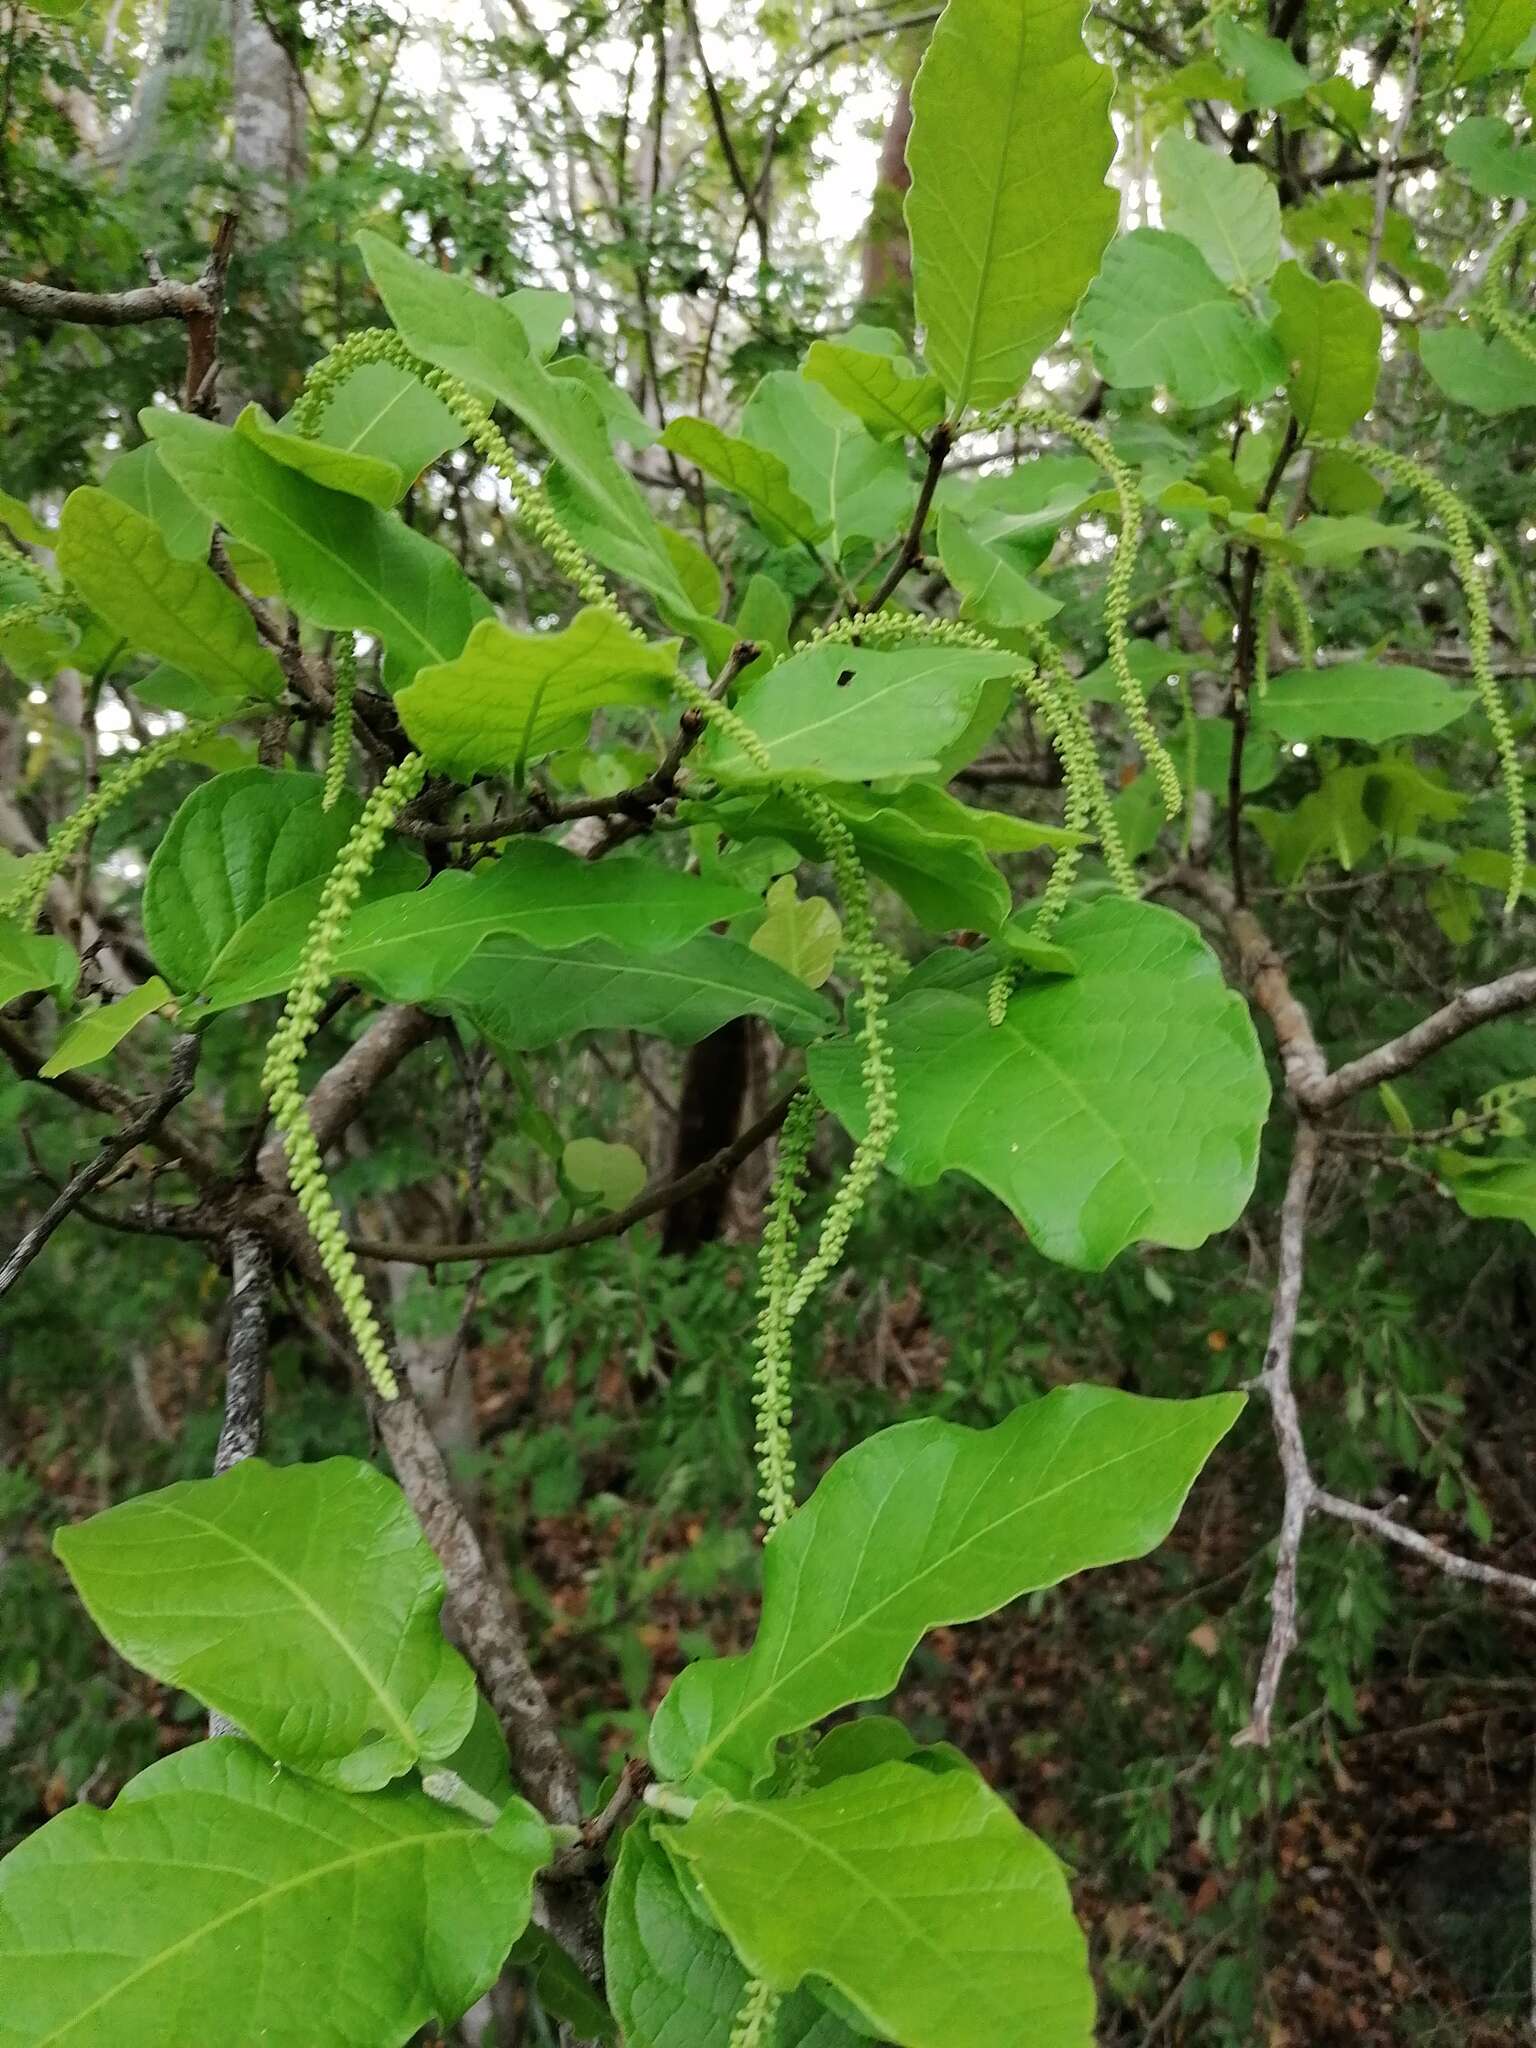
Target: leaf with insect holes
{"points": [[300, 1600], [854, 714], [221, 1901], [1008, 209]]}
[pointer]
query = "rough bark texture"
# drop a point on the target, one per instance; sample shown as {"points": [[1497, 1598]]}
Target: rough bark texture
{"points": [[886, 262]]}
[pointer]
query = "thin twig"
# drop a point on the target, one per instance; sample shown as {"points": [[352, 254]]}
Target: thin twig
{"points": [[184, 1056], [661, 1195]]}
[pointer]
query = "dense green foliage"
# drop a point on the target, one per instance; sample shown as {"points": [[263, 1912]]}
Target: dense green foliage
{"points": [[1038, 756]]}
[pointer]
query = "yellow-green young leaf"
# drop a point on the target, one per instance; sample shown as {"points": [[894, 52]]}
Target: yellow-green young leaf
{"points": [[1121, 1106], [614, 1174], [994, 587], [1360, 700], [1331, 336], [925, 1524], [803, 937], [339, 469], [674, 1979], [854, 714], [1491, 376], [1503, 1185], [29, 962], [1008, 211], [1266, 66], [222, 1901], [888, 393], [17, 516], [510, 697], [300, 1600], [342, 563], [753, 474], [621, 416], [383, 411], [916, 1894], [141, 479], [1157, 314], [1491, 32], [93, 1036], [1231, 212], [1484, 147], [450, 322], [178, 610]]}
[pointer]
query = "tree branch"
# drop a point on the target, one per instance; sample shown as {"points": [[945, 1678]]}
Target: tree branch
{"points": [[1442, 1027], [167, 300], [184, 1057], [661, 1195]]}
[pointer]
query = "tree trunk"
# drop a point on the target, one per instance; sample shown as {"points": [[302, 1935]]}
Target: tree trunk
{"points": [[715, 1082]]}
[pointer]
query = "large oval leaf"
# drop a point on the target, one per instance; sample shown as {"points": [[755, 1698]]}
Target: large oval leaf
{"points": [[1157, 314], [301, 1601], [1008, 210], [1360, 700], [925, 1524], [226, 1904], [916, 1893], [1123, 1105], [240, 870]]}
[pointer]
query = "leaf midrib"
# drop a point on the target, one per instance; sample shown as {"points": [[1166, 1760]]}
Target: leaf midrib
{"points": [[393, 1713], [431, 1838], [785, 1676]]}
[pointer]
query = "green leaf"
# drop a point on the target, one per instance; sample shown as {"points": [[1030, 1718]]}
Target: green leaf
{"points": [[241, 867], [1484, 147], [93, 1036], [1008, 211], [994, 589], [216, 1902], [367, 477], [853, 714], [18, 517], [410, 947], [1271, 74], [451, 323], [917, 1895], [856, 485], [524, 998], [141, 479], [674, 1979], [1123, 1105], [1231, 212], [1213, 755], [889, 394], [1359, 700], [1502, 1187], [753, 474], [614, 1174], [621, 416], [508, 698], [342, 563], [1331, 336], [1157, 314], [29, 963], [1331, 543], [178, 610], [926, 1524], [1491, 33], [384, 412], [300, 1600], [1491, 376], [802, 937]]}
